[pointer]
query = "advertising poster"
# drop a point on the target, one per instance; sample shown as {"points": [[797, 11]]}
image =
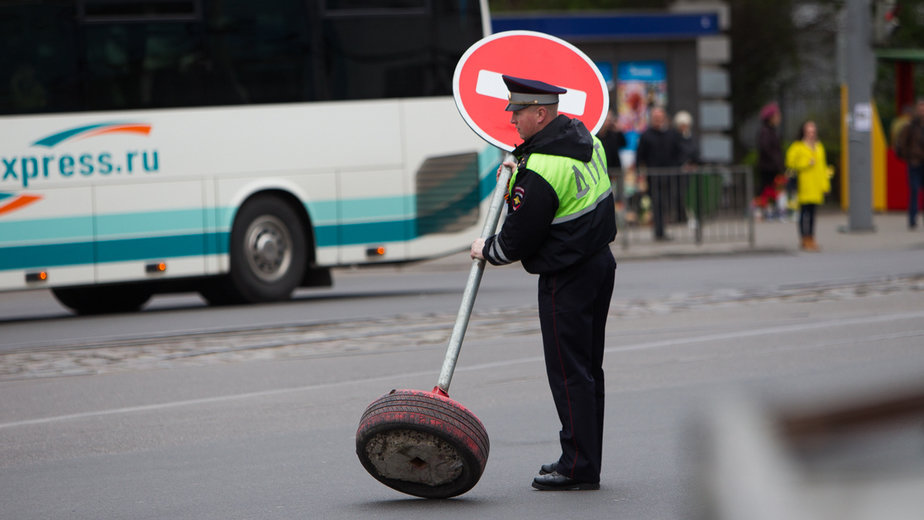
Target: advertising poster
{"points": [[640, 85]]}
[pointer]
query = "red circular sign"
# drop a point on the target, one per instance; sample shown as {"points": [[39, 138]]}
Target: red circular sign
{"points": [[481, 95]]}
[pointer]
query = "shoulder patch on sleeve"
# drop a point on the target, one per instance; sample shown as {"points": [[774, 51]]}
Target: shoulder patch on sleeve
{"points": [[519, 193]]}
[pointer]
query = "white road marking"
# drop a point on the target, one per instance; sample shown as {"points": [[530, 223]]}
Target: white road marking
{"points": [[782, 329]]}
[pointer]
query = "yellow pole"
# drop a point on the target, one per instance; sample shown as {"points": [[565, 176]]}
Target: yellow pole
{"points": [[878, 162]]}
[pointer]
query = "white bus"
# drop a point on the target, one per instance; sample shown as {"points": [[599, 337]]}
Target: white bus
{"points": [[231, 147]]}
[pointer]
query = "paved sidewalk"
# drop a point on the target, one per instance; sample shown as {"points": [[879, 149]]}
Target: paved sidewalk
{"points": [[891, 232]]}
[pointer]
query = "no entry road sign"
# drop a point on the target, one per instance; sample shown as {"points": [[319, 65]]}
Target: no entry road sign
{"points": [[481, 95]]}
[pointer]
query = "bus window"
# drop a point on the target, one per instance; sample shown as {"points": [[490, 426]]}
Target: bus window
{"points": [[143, 65], [126, 10], [38, 65], [260, 52], [346, 5], [243, 52], [114, 55], [403, 50]]}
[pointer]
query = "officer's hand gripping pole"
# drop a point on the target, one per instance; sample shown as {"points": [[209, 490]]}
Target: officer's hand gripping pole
{"points": [[471, 287]]}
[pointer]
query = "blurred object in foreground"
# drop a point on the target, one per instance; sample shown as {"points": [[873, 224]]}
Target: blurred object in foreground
{"points": [[859, 460]]}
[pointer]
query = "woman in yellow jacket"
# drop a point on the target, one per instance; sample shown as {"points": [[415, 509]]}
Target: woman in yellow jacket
{"points": [[806, 157]]}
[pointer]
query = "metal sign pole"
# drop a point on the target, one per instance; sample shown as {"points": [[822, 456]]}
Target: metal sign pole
{"points": [[471, 287], [861, 70]]}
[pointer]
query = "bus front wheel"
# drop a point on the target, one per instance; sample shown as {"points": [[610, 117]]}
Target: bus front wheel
{"points": [[268, 253]]}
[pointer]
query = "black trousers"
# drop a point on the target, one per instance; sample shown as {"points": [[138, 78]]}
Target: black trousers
{"points": [[659, 190], [573, 306], [807, 220]]}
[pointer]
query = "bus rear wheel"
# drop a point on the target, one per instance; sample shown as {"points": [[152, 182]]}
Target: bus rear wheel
{"points": [[103, 299], [268, 253]]}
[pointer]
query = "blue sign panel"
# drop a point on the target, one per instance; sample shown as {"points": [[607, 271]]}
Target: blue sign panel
{"points": [[634, 26]]}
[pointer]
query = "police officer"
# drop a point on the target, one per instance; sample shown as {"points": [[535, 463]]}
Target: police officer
{"points": [[560, 221]]}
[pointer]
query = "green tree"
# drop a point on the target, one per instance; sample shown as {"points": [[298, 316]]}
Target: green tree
{"points": [[910, 30], [908, 34], [762, 43]]}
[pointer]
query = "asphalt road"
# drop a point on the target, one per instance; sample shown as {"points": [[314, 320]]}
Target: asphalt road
{"points": [[35, 319], [188, 412]]}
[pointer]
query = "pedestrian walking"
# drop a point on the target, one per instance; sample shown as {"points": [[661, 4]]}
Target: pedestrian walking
{"points": [[911, 149], [560, 222]]}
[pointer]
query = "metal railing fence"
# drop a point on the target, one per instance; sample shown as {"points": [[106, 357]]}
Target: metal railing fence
{"points": [[684, 205]]}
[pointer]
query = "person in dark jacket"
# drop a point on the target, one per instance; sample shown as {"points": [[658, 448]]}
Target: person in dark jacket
{"points": [[659, 151], [560, 222], [689, 149], [689, 160], [770, 162], [613, 140], [911, 149]]}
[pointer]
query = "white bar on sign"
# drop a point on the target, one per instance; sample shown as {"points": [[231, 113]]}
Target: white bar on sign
{"points": [[572, 102], [492, 84]]}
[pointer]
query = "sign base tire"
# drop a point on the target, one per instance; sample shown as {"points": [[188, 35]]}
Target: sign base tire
{"points": [[422, 444]]}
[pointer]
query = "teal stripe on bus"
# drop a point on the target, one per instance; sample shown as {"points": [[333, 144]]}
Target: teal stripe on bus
{"points": [[42, 230], [377, 232], [154, 248], [46, 255], [153, 222], [185, 245], [104, 251], [110, 226], [106, 226], [379, 208]]}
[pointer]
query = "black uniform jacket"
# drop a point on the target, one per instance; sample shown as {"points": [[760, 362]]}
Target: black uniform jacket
{"points": [[528, 234]]}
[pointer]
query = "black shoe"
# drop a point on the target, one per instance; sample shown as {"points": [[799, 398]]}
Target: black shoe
{"points": [[545, 469], [557, 482]]}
